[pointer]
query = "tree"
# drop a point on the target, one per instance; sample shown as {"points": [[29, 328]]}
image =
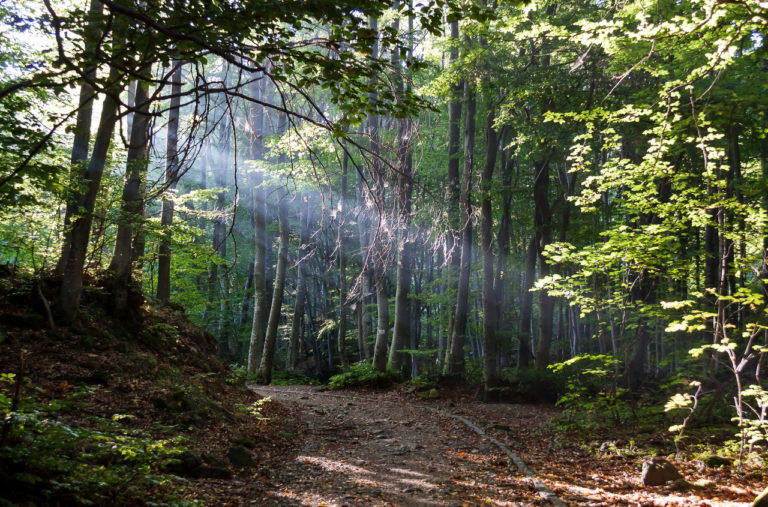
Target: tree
{"points": [[172, 171]]}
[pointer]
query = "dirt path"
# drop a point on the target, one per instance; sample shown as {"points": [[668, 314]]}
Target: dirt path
{"points": [[370, 451]]}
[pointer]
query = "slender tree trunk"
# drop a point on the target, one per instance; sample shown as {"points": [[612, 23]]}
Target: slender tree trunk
{"points": [[121, 265], [301, 283], [403, 330], [382, 321], [503, 241], [543, 222], [85, 199], [219, 277], [82, 139], [171, 178], [377, 245], [454, 364], [525, 353], [453, 192], [264, 374], [256, 341], [341, 245], [490, 309], [364, 319]]}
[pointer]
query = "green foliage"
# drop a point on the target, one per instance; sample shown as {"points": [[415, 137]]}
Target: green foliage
{"points": [[256, 409], [592, 396], [105, 463], [734, 347], [363, 375]]}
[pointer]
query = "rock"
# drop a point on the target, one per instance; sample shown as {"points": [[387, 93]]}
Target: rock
{"points": [[657, 471], [186, 464], [240, 457]]}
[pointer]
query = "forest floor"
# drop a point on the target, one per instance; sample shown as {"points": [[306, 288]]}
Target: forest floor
{"points": [[364, 448]]}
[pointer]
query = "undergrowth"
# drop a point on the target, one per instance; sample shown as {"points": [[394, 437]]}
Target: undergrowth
{"points": [[99, 461], [362, 374]]}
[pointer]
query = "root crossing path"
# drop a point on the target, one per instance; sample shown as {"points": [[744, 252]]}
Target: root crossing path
{"points": [[379, 450]]}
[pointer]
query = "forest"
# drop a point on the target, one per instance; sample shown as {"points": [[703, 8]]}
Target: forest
{"points": [[525, 221]]}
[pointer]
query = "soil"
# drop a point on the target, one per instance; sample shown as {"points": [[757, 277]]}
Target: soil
{"points": [[381, 449], [363, 449]]}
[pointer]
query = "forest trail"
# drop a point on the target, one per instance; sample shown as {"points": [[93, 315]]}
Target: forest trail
{"points": [[371, 450]]}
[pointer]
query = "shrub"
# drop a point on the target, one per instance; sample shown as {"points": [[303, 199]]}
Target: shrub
{"points": [[362, 374], [592, 395], [42, 457]]}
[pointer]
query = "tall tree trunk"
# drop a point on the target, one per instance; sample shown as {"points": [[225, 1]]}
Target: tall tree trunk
{"points": [[219, 278], [525, 353], [171, 178], [264, 374], [503, 241], [341, 246], [366, 275], [132, 200], [403, 331], [453, 192], [73, 254], [543, 222], [454, 363], [377, 252], [364, 220], [490, 309], [301, 283], [256, 341], [83, 121]]}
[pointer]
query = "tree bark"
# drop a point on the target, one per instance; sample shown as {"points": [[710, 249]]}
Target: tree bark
{"points": [[83, 121], [454, 363], [403, 330], [171, 178], [73, 254], [264, 374], [543, 223], [341, 243], [132, 200], [453, 191], [490, 309], [301, 284], [256, 341], [525, 353]]}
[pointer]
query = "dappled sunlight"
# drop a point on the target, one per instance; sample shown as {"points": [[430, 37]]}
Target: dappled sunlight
{"points": [[408, 472], [376, 483], [333, 465], [635, 496]]}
